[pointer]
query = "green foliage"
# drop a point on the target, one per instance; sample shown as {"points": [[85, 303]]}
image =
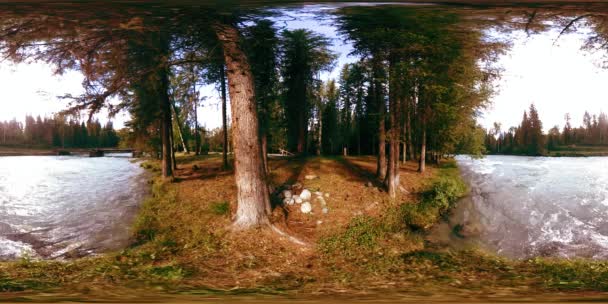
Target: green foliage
{"points": [[220, 208], [361, 234], [572, 274], [436, 202]]}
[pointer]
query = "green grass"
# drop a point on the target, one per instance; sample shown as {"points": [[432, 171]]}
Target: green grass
{"points": [[170, 256], [220, 208]]}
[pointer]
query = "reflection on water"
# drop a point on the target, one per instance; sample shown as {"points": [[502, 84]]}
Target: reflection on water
{"points": [[54, 205], [530, 206]]}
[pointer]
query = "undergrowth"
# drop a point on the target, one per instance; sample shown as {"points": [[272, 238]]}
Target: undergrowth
{"points": [[173, 244]]}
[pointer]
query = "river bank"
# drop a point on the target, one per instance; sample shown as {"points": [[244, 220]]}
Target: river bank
{"points": [[568, 151], [365, 246]]}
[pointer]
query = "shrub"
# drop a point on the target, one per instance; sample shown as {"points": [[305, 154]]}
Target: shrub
{"points": [[436, 202]]}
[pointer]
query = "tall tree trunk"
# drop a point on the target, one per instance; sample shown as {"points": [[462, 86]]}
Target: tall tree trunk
{"points": [[166, 156], [381, 161], [302, 125], [173, 160], [408, 130], [252, 192], [165, 113], [392, 172], [320, 141], [422, 162], [197, 138], [179, 129], [224, 120]]}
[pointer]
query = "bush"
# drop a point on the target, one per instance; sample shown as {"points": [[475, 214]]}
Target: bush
{"points": [[436, 202]]}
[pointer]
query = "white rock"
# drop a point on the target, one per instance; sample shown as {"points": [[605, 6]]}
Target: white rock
{"points": [[311, 176], [305, 195], [319, 222], [368, 184], [326, 194], [287, 194], [318, 193], [306, 207], [325, 210], [297, 199], [288, 201]]}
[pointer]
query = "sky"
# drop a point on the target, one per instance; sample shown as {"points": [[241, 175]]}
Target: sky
{"points": [[556, 76]]}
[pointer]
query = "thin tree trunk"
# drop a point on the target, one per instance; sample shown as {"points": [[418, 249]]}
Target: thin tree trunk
{"points": [[408, 127], [381, 165], [252, 192], [320, 147], [166, 155], [173, 160], [179, 129], [197, 138], [165, 111], [422, 163], [224, 120]]}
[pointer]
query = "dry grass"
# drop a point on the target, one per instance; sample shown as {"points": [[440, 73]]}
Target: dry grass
{"points": [[183, 244]]}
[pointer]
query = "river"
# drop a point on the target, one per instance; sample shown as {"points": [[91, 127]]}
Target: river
{"points": [[65, 206], [522, 207]]}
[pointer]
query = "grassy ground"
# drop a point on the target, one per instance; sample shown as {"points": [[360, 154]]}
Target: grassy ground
{"points": [[366, 245]]}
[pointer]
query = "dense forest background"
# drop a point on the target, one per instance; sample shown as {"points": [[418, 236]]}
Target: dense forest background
{"points": [[528, 138], [57, 132]]}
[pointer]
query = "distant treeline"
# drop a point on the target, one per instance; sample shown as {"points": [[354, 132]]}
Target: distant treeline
{"points": [[57, 132], [528, 138]]}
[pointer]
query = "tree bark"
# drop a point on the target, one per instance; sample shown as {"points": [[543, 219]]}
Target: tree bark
{"points": [[165, 112], [302, 125], [392, 172], [253, 202], [166, 156], [224, 120], [381, 164]]}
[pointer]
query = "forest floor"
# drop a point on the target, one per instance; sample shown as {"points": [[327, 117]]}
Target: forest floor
{"points": [[366, 246]]}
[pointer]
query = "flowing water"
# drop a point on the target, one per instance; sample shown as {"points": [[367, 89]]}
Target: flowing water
{"points": [[536, 206], [57, 206]]}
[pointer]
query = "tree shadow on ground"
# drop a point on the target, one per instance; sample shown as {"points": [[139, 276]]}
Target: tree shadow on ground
{"points": [[362, 173]]}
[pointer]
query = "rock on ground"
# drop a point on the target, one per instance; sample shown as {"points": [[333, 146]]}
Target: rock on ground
{"points": [[306, 207], [305, 195]]}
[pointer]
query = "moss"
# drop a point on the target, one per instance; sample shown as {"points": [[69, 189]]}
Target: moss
{"points": [[220, 208], [436, 202]]}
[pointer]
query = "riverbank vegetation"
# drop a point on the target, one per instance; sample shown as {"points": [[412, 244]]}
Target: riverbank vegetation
{"points": [[57, 132], [367, 244], [233, 224], [590, 139]]}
